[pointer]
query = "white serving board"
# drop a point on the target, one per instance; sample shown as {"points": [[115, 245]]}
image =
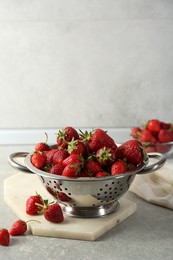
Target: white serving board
{"points": [[19, 187]]}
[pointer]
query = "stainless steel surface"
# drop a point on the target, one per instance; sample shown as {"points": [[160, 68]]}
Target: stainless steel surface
{"points": [[90, 197]]}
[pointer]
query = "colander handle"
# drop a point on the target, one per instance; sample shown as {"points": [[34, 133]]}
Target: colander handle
{"points": [[161, 159], [17, 165]]}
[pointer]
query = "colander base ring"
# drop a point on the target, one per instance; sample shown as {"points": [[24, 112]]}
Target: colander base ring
{"points": [[91, 212]]}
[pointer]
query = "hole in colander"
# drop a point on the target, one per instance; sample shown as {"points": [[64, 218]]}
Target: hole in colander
{"points": [[50, 181], [69, 194], [98, 194], [54, 187], [55, 182], [106, 185], [101, 189]]}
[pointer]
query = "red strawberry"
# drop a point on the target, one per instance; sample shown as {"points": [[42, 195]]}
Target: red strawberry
{"points": [[38, 160], [153, 125], [146, 136], [43, 146], [60, 155], [92, 167], [57, 169], [76, 147], [4, 237], [49, 155], [72, 170], [101, 174], [106, 156], [165, 125], [165, 136], [53, 213], [132, 151], [73, 159], [118, 167], [31, 207], [97, 139], [19, 227], [135, 132], [65, 135]]}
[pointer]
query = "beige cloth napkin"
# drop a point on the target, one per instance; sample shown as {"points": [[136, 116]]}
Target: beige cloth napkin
{"points": [[156, 187]]}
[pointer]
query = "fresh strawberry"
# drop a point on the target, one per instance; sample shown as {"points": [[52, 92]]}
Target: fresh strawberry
{"points": [[31, 207], [72, 170], [153, 125], [106, 156], [76, 147], [97, 139], [53, 213], [165, 136], [19, 227], [135, 132], [49, 155], [38, 160], [65, 135], [146, 136], [60, 155], [132, 151], [118, 167], [57, 169], [92, 167], [63, 197], [165, 125], [73, 159], [101, 174], [4, 237], [43, 146]]}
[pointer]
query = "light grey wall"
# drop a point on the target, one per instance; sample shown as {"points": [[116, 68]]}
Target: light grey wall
{"points": [[85, 62]]}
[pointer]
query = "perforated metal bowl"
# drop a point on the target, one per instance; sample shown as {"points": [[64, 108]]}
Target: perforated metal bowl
{"points": [[92, 197], [84, 196]]}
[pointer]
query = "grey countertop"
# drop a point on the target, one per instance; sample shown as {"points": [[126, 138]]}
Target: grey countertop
{"points": [[147, 234]]}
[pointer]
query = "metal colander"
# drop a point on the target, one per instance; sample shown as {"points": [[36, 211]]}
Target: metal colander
{"points": [[85, 196]]}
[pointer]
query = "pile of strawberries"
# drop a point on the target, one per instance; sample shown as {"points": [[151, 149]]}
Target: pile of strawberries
{"points": [[153, 135], [87, 154]]}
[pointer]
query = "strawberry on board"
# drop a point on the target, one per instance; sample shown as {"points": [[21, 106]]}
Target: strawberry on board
{"points": [[31, 204], [4, 237], [53, 213], [38, 159], [119, 167], [132, 151]]}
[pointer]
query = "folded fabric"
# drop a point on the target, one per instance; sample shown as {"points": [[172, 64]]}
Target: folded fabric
{"points": [[156, 187]]}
